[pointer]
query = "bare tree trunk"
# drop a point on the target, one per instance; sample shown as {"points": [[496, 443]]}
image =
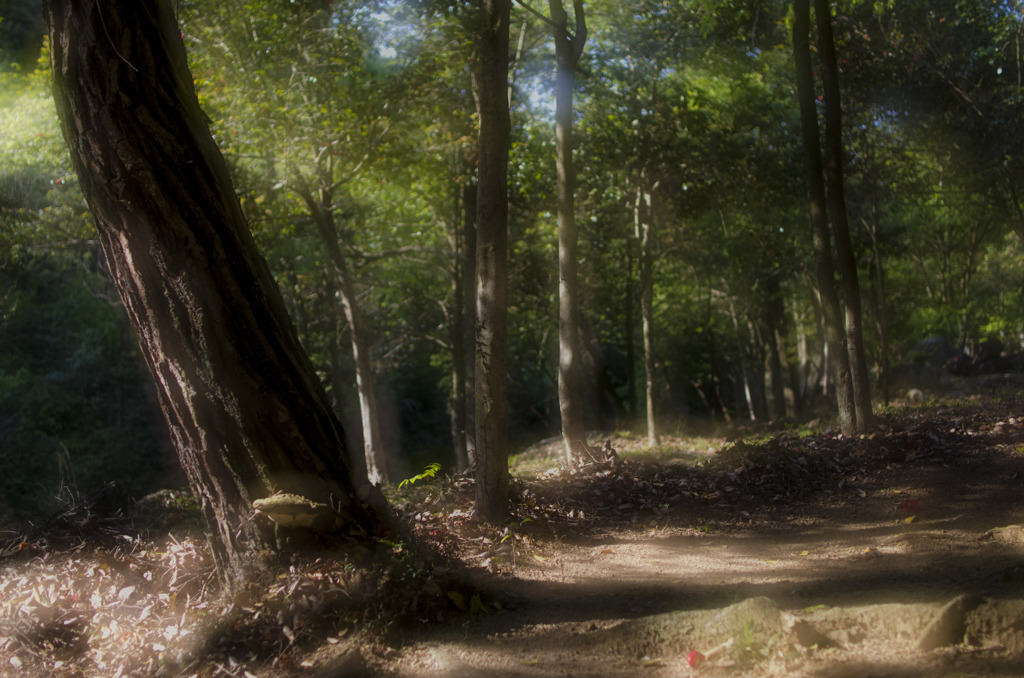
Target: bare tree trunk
{"points": [[457, 327], [644, 224], [336, 377], [628, 320], [469, 200], [568, 49], [463, 322], [740, 354], [775, 318], [373, 445], [492, 263], [881, 307], [801, 370], [246, 412], [840, 222], [829, 300]]}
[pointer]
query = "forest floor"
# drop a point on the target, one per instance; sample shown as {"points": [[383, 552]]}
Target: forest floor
{"points": [[773, 553]]}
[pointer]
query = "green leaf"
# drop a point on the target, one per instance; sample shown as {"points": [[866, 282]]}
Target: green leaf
{"points": [[476, 606], [429, 472]]}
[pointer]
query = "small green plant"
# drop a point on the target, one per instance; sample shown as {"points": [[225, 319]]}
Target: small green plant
{"points": [[476, 606], [429, 472], [397, 547]]}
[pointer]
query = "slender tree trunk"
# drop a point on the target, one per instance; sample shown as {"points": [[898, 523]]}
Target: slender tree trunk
{"points": [[246, 412], [568, 49], [775, 318], [840, 221], [373, 445], [831, 315], [335, 345], [463, 313], [457, 328], [458, 344], [628, 319], [492, 263], [469, 198], [644, 225], [881, 306], [803, 365], [740, 353]]}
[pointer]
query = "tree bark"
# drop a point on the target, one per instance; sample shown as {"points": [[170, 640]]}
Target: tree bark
{"points": [[469, 200], [568, 48], [840, 220], [643, 219], [881, 305], [774, 320], [463, 325], [492, 263], [245, 409], [628, 321], [457, 326], [748, 398], [321, 210], [825, 269]]}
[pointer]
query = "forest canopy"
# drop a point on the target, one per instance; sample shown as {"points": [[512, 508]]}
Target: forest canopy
{"points": [[350, 129]]}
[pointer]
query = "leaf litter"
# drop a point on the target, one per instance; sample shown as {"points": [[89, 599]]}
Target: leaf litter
{"points": [[83, 594]]}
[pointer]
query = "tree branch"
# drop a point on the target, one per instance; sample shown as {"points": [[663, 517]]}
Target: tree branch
{"points": [[537, 14], [580, 39], [408, 249]]}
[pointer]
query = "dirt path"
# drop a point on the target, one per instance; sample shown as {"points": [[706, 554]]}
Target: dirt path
{"points": [[776, 554], [867, 567]]}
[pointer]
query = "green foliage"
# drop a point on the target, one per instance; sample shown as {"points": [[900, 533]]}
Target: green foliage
{"points": [[77, 409], [21, 34], [41, 207], [429, 472], [368, 108], [476, 605]]}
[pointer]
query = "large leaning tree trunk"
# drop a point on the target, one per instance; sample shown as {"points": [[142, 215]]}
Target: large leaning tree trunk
{"points": [[568, 48], [840, 221], [246, 413], [491, 394], [829, 300]]}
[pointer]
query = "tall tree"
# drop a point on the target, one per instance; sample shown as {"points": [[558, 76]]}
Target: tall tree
{"points": [[568, 48], [827, 297], [302, 140], [246, 412], [463, 331], [321, 206], [638, 51], [492, 261], [644, 231], [449, 121], [840, 220]]}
